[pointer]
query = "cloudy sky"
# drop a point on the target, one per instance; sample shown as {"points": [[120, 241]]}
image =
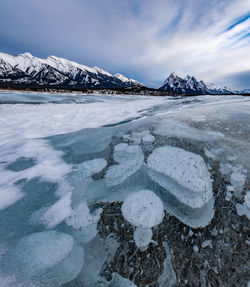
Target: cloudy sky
{"points": [[143, 39]]}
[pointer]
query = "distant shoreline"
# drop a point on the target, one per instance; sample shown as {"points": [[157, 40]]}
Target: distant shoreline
{"points": [[142, 91]]}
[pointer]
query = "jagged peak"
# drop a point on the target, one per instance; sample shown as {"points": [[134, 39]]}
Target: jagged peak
{"points": [[26, 54]]}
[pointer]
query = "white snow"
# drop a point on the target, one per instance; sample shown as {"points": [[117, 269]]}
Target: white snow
{"points": [[50, 119], [142, 237], [9, 194], [143, 208], [129, 158], [49, 165], [182, 173]]}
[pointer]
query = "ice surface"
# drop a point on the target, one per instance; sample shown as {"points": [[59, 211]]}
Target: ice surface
{"points": [[129, 159], [143, 209], [183, 173], [50, 119], [106, 149], [142, 236]]}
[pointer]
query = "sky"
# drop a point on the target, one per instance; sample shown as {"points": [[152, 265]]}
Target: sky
{"points": [[142, 39]]}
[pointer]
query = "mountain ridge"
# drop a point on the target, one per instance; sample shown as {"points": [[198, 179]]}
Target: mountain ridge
{"points": [[27, 70]]}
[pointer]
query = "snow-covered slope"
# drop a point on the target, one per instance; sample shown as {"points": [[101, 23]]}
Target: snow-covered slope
{"points": [[28, 70], [190, 85], [130, 82]]}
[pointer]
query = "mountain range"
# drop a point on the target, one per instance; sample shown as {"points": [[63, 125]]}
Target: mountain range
{"points": [[27, 71], [190, 85]]}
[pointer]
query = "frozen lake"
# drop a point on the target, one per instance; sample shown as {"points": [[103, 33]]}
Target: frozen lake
{"points": [[115, 190]]}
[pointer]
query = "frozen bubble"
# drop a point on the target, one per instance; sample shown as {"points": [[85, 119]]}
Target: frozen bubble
{"points": [[42, 250], [91, 167], [143, 208], [130, 159], [142, 237], [244, 209], [81, 217], [237, 180], [182, 173], [174, 128]]}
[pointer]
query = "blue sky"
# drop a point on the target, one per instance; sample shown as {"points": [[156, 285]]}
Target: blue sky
{"points": [[143, 39]]}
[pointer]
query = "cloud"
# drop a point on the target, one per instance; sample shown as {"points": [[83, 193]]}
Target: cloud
{"points": [[146, 39]]}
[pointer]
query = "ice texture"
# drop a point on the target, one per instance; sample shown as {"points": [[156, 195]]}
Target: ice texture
{"points": [[143, 208], [183, 173], [129, 159], [75, 168]]}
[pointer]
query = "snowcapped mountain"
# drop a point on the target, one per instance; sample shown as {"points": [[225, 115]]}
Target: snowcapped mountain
{"points": [[190, 85], [29, 71], [187, 85]]}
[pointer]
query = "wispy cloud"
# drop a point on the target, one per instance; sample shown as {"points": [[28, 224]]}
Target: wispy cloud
{"points": [[146, 39]]}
